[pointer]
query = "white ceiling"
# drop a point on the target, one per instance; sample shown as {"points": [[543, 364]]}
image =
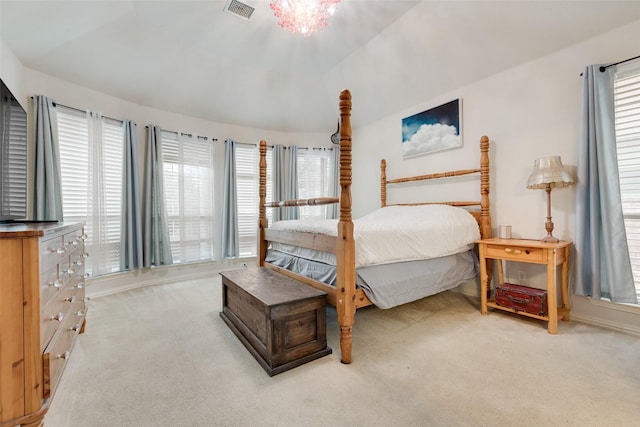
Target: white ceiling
{"points": [[192, 58]]}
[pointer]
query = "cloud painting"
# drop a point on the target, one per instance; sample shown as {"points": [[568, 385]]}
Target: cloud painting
{"points": [[432, 130]]}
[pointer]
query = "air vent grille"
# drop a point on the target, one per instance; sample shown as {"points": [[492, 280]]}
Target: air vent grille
{"points": [[239, 9]]}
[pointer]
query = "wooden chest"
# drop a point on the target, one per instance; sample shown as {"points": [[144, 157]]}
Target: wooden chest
{"points": [[522, 298], [281, 321]]}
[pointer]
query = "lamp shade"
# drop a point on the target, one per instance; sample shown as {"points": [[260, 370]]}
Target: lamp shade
{"points": [[549, 171]]}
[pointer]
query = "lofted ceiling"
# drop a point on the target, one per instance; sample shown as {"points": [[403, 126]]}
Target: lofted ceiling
{"points": [[192, 58]]}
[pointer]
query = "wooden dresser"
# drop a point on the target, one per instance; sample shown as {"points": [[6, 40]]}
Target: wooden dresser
{"points": [[42, 311]]}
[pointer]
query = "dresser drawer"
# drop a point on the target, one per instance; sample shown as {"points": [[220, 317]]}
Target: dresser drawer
{"points": [[55, 314], [50, 284], [516, 253], [52, 251], [55, 356]]}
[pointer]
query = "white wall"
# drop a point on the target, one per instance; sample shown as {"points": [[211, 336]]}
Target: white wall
{"points": [[528, 112]]}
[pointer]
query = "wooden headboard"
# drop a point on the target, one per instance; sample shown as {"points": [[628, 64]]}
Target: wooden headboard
{"points": [[483, 216]]}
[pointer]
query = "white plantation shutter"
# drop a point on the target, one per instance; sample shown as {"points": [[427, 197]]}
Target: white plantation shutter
{"points": [[627, 124], [313, 180], [248, 197], [14, 197], [98, 205], [188, 183], [247, 180]]}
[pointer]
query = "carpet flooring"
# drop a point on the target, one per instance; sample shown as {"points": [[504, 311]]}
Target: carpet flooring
{"points": [[162, 356]]}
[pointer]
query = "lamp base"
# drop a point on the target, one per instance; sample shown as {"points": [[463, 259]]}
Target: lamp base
{"points": [[550, 239]]}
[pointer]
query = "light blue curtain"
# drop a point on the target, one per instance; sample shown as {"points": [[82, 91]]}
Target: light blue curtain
{"points": [[131, 215], [47, 184], [157, 245], [603, 267], [292, 183], [230, 238], [279, 188], [333, 210]]}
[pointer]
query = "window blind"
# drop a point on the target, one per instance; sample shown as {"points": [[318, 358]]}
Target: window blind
{"points": [[188, 183], [98, 205], [14, 168], [627, 128], [313, 180]]}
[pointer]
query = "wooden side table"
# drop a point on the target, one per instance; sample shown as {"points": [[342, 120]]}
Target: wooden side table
{"points": [[528, 251]]}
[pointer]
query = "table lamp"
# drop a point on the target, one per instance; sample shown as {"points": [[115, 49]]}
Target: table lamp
{"points": [[548, 173]]}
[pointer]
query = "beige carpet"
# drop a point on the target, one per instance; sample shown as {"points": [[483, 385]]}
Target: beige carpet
{"points": [[161, 356]]}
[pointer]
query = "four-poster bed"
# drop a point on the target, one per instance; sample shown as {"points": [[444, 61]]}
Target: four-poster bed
{"points": [[345, 288]]}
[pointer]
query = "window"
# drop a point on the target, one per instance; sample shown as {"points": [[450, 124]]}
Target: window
{"points": [[314, 173], [627, 126], [247, 184], [91, 148], [188, 185]]}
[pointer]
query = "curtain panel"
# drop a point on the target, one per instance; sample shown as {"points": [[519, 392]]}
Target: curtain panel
{"points": [[157, 244], [131, 217], [230, 235], [603, 267], [291, 192], [279, 186], [47, 185]]}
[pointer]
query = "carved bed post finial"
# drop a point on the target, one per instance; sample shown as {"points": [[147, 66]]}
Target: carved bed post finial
{"points": [[383, 183], [345, 247], [262, 219]]}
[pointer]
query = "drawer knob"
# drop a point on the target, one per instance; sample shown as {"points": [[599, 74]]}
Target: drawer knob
{"points": [[71, 299], [79, 285], [57, 317], [60, 250], [85, 255], [512, 251], [79, 262], [80, 313], [64, 355], [84, 237], [75, 328], [57, 283], [74, 242], [70, 270]]}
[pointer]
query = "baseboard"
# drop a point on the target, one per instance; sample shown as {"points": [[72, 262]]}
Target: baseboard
{"points": [[120, 282], [608, 324]]}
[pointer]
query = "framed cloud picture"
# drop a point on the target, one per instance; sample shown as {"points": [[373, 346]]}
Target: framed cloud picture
{"points": [[432, 130]]}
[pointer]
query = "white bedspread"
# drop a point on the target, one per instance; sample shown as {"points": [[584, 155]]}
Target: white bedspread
{"points": [[401, 233]]}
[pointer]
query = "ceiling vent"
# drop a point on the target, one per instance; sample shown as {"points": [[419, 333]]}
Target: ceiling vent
{"points": [[238, 9]]}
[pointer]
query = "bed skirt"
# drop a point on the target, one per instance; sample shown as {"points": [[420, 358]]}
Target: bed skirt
{"points": [[390, 285]]}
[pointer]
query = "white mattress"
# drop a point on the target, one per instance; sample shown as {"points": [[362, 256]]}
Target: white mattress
{"points": [[394, 234]]}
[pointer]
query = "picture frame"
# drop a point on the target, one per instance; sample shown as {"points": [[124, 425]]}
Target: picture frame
{"points": [[436, 129]]}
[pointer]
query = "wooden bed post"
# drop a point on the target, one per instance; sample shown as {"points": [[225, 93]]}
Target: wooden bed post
{"points": [[383, 183], [485, 215], [262, 220], [345, 246]]}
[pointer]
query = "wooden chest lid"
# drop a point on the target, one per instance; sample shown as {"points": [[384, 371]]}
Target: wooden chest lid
{"points": [[270, 287]]}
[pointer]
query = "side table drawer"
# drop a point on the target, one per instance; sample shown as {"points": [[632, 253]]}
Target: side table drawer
{"points": [[516, 253]]}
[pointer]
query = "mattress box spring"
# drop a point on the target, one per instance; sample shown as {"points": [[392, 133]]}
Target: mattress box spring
{"points": [[522, 298]]}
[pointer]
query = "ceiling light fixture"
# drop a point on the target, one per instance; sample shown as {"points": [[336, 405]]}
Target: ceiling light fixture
{"points": [[303, 16]]}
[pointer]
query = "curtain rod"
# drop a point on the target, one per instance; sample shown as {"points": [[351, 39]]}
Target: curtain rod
{"points": [[604, 67], [187, 134], [56, 103], [286, 148]]}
